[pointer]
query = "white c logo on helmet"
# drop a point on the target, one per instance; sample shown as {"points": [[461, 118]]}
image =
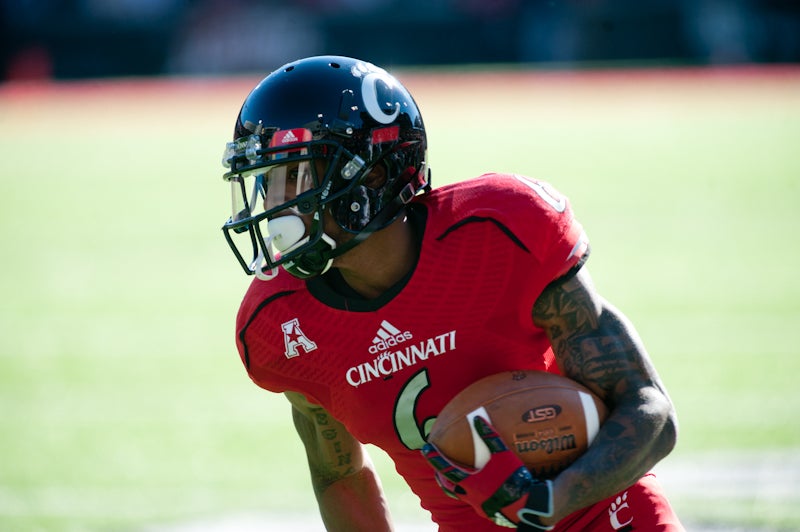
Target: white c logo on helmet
{"points": [[369, 92]]}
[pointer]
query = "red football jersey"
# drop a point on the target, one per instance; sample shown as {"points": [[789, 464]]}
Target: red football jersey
{"points": [[386, 367]]}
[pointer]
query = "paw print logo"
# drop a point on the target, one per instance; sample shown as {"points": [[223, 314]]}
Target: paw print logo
{"points": [[618, 511]]}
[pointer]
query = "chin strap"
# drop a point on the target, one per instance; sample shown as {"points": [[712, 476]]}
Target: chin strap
{"points": [[319, 260]]}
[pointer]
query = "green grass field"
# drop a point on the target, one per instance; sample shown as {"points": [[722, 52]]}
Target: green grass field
{"points": [[123, 400]]}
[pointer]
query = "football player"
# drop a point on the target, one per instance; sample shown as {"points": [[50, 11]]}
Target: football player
{"points": [[376, 300]]}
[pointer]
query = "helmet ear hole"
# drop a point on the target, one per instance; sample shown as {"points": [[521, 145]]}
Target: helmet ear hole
{"points": [[376, 178], [355, 210]]}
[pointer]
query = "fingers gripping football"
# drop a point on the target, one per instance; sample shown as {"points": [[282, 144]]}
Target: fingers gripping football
{"points": [[503, 489]]}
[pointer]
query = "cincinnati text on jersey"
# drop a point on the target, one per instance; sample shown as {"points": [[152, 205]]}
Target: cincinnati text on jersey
{"points": [[390, 362]]}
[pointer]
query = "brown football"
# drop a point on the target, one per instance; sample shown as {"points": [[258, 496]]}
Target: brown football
{"points": [[547, 419]]}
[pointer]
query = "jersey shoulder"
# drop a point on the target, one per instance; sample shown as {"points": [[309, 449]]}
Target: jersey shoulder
{"points": [[261, 292], [502, 196], [533, 211]]}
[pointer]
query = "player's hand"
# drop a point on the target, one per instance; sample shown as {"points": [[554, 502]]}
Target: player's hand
{"points": [[503, 490]]}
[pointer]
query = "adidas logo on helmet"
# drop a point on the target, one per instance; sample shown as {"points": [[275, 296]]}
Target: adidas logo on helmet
{"points": [[289, 137]]}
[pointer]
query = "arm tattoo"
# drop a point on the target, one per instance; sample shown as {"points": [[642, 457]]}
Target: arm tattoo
{"points": [[330, 452], [595, 345], [592, 345]]}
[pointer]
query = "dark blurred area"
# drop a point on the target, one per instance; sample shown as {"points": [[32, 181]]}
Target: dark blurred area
{"points": [[66, 39]]}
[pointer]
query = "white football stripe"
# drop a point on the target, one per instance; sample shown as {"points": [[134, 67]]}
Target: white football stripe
{"points": [[482, 452], [592, 418]]}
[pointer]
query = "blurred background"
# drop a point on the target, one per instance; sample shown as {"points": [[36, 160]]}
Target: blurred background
{"points": [[101, 38], [673, 126]]}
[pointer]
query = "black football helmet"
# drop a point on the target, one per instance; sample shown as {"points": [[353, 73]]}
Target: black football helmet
{"points": [[306, 140]]}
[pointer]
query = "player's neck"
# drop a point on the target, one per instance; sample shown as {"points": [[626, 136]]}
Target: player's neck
{"points": [[382, 260]]}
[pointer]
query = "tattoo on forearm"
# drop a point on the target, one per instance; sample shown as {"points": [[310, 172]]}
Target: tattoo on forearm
{"points": [[339, 457], [594, 345]]}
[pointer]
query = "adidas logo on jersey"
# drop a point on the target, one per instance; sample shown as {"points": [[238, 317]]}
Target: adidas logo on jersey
{"points": [[388, 336]]}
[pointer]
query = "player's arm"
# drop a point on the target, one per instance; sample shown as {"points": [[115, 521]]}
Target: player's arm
{"points": [[596, 345], [347, 488]]}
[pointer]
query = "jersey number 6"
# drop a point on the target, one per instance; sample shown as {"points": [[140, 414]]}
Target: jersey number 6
{"points": [[412, 435]]}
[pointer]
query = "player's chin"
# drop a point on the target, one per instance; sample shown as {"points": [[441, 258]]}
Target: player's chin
{"points": [[339, 235]]}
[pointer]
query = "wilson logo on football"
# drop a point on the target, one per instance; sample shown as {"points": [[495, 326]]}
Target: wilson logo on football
{"points": [[541, 413]]}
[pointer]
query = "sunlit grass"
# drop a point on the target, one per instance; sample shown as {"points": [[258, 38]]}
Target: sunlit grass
{"points": [[124, 401]]}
